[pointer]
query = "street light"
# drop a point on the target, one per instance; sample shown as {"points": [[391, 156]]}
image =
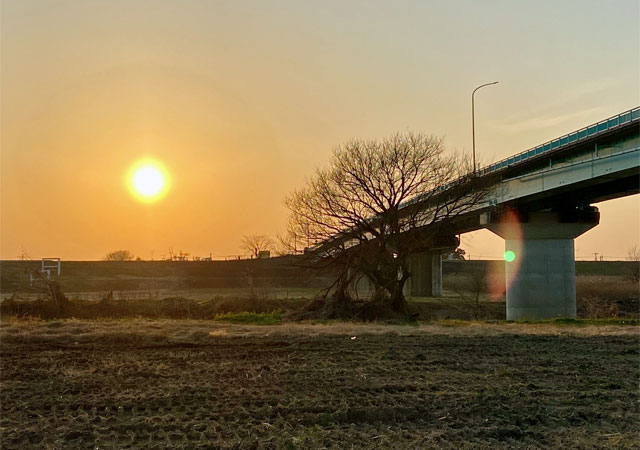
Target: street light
{"points": [[473, 122]]}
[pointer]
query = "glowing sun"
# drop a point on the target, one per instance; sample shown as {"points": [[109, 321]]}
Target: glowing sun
{"points": [[148, 180]]}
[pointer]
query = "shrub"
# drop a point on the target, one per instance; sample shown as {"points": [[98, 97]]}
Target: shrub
{"points": [[596, 308], [171, 308]]}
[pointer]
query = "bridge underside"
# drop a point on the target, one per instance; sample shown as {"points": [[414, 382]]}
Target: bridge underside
{"points": [[595, 190]]}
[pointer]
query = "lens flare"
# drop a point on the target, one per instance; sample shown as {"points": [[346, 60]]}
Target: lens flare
{"points": [[510, 229], [148, 180], [509, 256]]}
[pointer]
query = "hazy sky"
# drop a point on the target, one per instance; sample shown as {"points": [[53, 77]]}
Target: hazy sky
{"points": [[241, 100]]}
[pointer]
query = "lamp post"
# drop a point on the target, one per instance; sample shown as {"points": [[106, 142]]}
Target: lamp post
{"points": [[473, 122]]}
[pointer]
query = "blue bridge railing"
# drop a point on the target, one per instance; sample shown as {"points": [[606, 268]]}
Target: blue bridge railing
{"points": [[576, 136]]}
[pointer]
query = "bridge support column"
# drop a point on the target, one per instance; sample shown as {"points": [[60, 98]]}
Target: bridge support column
{"points": [[361, 287], [426, 275], [540, 261]]}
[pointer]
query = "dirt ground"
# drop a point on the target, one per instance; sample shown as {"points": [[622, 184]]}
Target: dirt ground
{"points": [[195, 384]]}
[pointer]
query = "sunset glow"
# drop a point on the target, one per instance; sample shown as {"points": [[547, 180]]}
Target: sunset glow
{"points": [[148, 181], [236, 103]]}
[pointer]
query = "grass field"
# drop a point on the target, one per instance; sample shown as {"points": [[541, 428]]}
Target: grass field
{"points": [[195, 384], [200, 290], [597, 296], [95, 276], [269, 274]]}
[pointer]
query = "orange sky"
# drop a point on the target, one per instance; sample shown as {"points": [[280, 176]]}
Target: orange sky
{"points": [[241, 100]]}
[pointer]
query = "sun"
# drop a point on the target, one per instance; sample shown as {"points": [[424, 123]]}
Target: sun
{"points": [[148, 180]]}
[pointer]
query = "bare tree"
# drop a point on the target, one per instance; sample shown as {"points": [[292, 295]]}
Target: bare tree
{"points": [[471, 289], [377, 202], [24, 254], [286, 244], [119, 255], [256, 243]]}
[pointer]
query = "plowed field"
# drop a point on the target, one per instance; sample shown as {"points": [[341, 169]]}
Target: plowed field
{"points": [[178, 384]]}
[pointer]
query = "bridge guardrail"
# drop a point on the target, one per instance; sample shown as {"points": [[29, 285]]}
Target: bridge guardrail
{"points": [[582, 133], [588, 131]]}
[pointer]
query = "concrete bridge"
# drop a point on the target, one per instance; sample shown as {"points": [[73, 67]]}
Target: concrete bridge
{"points": [[542, 203]]}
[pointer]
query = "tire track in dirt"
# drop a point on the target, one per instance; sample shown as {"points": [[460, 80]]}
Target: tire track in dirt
{"points": [[293, 391]]}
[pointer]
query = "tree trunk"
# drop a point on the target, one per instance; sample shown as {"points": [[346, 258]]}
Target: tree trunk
{"points": [[398, 302]]}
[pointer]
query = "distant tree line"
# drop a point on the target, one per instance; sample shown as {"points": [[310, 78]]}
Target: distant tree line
{"points": [[119, 255]]}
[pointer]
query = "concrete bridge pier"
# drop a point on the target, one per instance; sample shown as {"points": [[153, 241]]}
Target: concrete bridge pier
{"points": [[361, 287], [426, 275], [540, 261], [425, 280]]}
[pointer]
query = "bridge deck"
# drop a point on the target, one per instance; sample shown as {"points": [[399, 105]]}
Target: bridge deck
{"points": [[582, 134]]}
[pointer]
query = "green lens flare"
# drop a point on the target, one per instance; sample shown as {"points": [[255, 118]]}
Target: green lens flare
{"points": [[509, 256]]}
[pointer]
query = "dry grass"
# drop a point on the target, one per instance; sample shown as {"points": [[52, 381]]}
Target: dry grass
{"points": [[597, 297], [78, 332], [172, 308], [613, 296], [142, 384], [611, 288]]}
